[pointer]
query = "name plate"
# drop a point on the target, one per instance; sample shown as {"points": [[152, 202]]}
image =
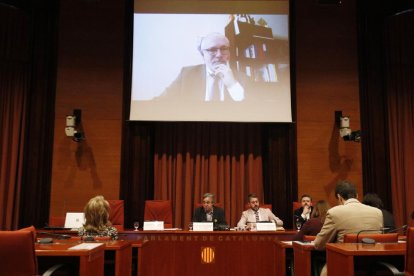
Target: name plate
{"points": [[266, 226], [203, 226], [153, 225]]}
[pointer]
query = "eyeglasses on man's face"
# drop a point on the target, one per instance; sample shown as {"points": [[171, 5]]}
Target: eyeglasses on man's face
{"points": [[213, 51]]}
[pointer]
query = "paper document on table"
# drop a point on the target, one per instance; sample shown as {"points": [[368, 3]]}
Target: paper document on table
{"points": [[265, 226], [203, 226], [287, 242], [305, 243], [85, 246], [153, 225]]}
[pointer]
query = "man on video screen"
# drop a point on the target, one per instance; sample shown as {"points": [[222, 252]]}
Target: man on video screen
{"points": [[213, 81]]}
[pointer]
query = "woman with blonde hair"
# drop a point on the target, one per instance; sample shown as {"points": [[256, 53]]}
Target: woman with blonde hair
{"points": [[97, 222], [314, 225]]}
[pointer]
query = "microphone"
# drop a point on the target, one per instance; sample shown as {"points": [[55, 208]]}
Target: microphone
{"points": [[50, 240], [366, 240]]}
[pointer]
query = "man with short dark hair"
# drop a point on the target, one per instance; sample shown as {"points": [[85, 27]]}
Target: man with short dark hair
{"points": [[208, 212], [350, 216], [303, 213], [256, 214]]}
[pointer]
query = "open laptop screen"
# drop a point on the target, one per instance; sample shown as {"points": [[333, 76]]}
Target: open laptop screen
{"points": [[74, 220]]}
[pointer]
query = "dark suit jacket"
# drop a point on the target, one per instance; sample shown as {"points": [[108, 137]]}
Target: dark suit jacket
{"points": [[297, 215], [218, 215], [311, 228], [190, 85], [388, 220]]}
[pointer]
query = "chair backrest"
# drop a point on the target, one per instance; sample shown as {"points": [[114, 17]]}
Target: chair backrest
{"points": [[116, 213], [17, 253], [383, 238], [32, 230], [217, 204], [160, 210], [296, 205], [409, 256]]}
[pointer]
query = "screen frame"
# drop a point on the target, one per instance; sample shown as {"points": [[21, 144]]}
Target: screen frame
{"points": [[203, 7]]}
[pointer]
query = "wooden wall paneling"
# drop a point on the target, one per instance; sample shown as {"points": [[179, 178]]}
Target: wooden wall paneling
{"points": [[327, 80]]}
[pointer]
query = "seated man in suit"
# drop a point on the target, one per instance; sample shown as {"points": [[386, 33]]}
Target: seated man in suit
{"points": [[303, 213], [209, 212], [349, 217], [256, 214], [212, 81]]}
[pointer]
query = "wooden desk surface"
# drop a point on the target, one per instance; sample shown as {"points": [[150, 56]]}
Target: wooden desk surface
{"points": [[360, 249], [134, 236], [304, 246], [123, 249], [116, 244], [130, 234], [342, 257], [62, 249], [91, 261]]}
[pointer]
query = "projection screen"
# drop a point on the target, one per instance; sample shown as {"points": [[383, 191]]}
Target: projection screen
{"points": [[211, 61]]}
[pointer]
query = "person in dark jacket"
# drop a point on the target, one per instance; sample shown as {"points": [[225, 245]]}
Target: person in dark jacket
{"points": [[374, 200], [314, 225], [208, 212]]}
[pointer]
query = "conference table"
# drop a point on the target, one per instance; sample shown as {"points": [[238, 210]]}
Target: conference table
{"points": [[177, 252], [209, 253]]}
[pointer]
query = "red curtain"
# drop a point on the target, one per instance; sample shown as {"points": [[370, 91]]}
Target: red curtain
{"points": [[14, 82], [27, 93], [191, 159], [400, 90]]}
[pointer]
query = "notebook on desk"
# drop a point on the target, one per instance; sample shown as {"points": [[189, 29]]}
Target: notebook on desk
{"points": [[74, 220]]}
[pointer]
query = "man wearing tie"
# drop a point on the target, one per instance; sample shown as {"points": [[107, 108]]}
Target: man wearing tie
{"points": [[256, 214], [212, 81]]}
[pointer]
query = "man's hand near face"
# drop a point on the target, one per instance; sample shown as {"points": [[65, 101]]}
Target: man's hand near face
{"points": [[306, 210], [224, 72]]}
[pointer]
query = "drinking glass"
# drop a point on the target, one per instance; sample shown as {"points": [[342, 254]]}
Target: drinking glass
{"points": [[190, 226], [253, 227], [136, 225], [298, 224]]}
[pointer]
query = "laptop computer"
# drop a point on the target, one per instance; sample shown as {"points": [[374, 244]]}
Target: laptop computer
{"points": [[74, 220]]}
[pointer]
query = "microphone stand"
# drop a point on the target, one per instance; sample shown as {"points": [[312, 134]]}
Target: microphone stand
{"points": [[366, 240], [56, 236], [404, 228]]}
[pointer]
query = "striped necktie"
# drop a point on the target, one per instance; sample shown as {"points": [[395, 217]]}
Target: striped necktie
{"points": [[257, 215]]}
